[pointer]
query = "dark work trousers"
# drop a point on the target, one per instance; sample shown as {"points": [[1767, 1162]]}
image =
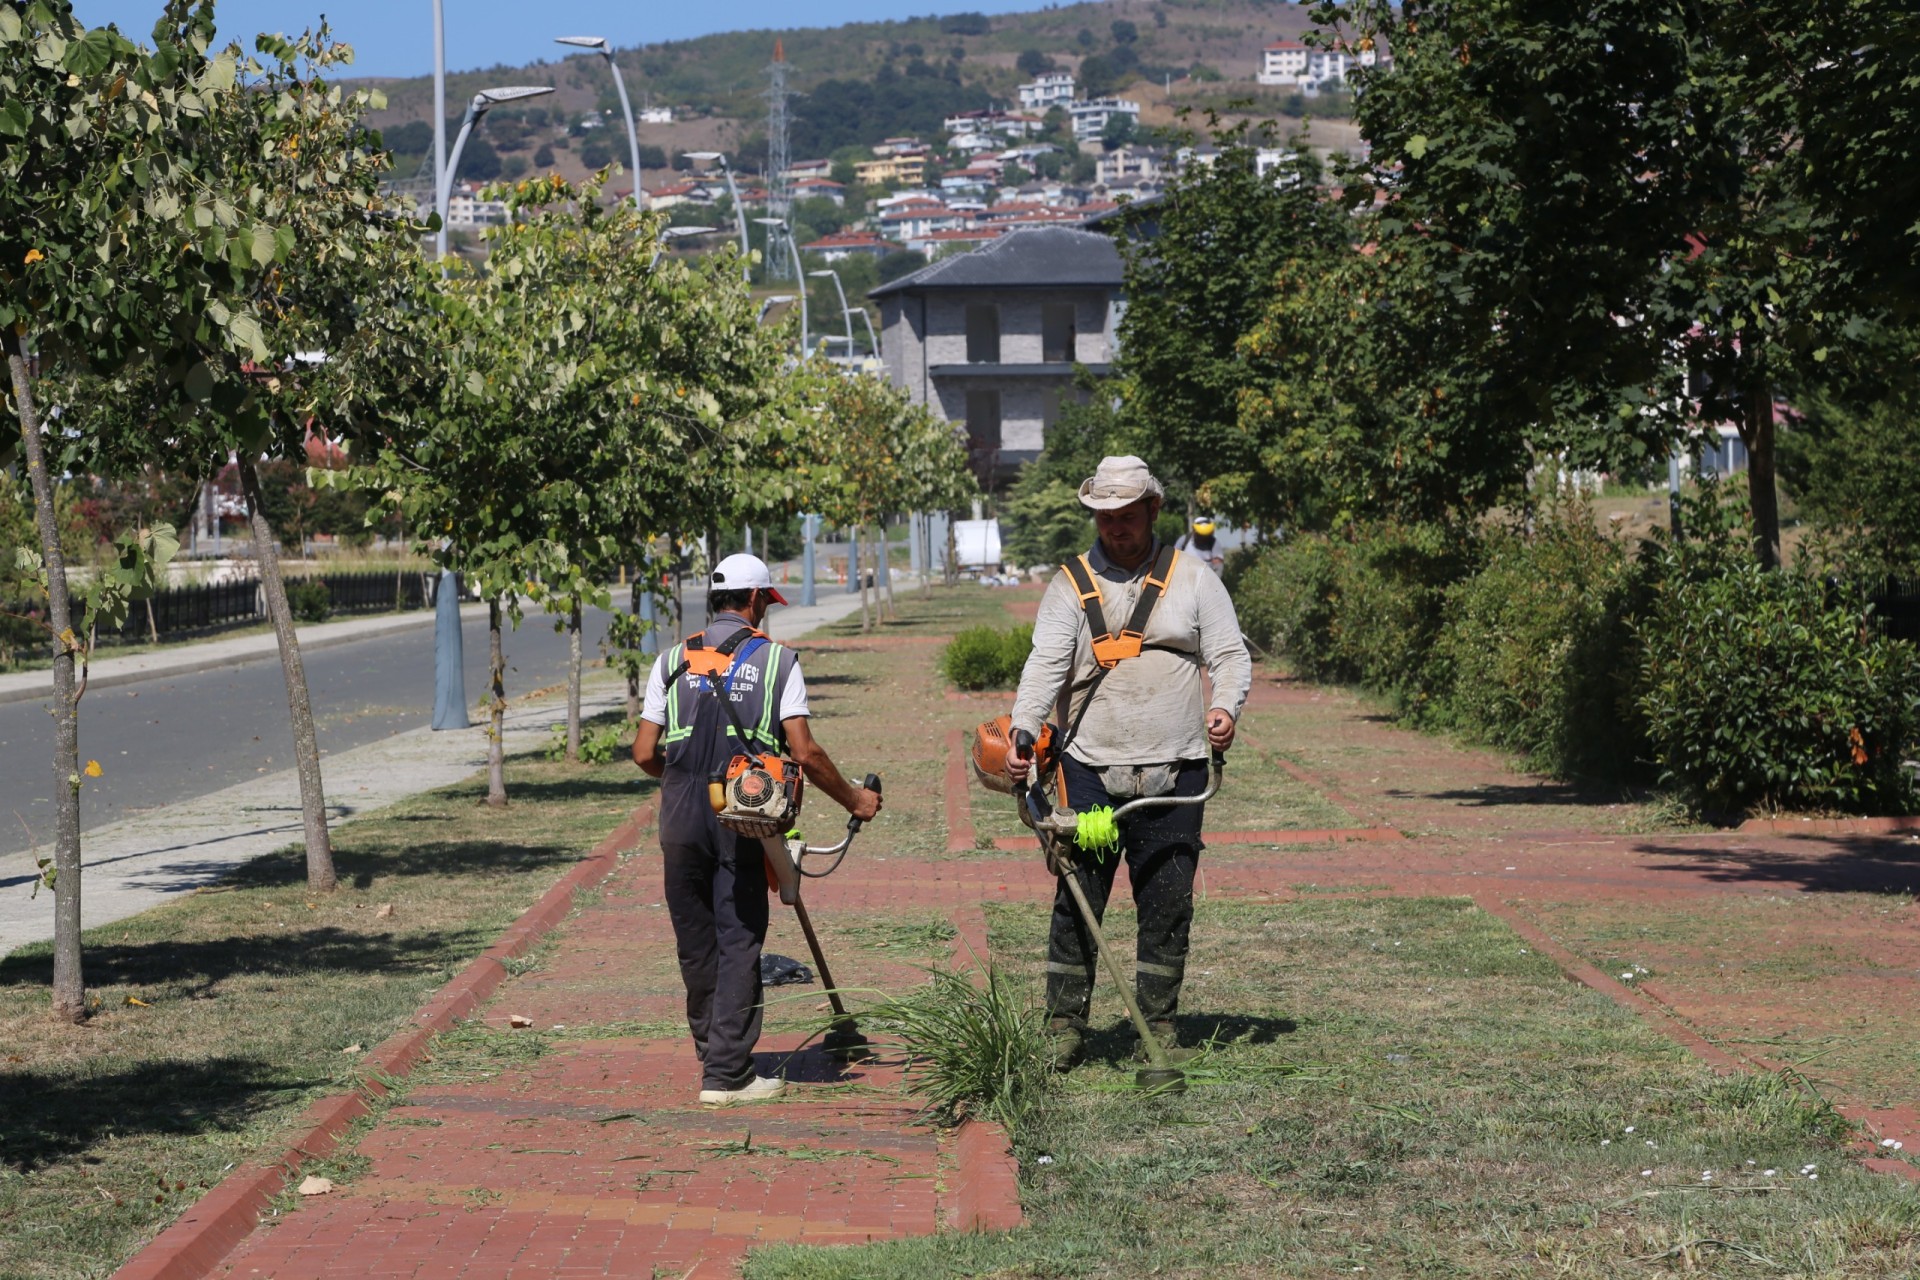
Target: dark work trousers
{"points": [[1162, 848], [717, 898]]}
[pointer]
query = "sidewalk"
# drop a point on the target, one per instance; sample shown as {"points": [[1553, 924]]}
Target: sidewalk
{"points": [[132, 865]]}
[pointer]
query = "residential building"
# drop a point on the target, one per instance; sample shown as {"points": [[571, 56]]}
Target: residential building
{"points": [[464, 209], [1051, 89], [990, 338], [848, 244], [898, 146], [973, 143], [917, 217], [801, 170], [909, 167], [819, 189], [937, 244], [1291, 64], [1124, 163], [654, 115], [678, 193], [1090, 118]]}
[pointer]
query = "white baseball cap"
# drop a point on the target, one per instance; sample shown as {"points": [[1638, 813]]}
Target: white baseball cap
{"points": [[742, 572]]}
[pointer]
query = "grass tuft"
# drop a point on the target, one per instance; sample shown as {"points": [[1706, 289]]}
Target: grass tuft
{"points": [[975, 1048]]}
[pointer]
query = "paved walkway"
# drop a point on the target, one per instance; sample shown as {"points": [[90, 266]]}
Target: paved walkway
{"points": [[133, 865], [588, 1157]]}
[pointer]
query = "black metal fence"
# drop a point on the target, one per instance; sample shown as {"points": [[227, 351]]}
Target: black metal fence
{"points": [[202, 608]]}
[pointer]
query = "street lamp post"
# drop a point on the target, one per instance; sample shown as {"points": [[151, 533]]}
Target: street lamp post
{"points": [[733, 194], [483, 102], [600, 46], [846, 313], [780, 225]]}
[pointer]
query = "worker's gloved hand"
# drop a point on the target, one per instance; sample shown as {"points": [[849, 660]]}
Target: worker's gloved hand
{"points": [[1220, 729]]}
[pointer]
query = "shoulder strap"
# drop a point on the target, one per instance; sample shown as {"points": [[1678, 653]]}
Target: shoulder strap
{"points": [[1156, 586], [1080, 572]]}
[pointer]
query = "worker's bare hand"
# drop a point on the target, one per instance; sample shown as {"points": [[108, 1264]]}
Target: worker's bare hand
{"points": [[1220, 729], [865, 804], [1018, 766]]}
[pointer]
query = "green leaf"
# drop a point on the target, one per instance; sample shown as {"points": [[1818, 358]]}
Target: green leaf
{"points": [[263, 244], [1417, 145], [198, 383], [13, 115], [246, 329]]}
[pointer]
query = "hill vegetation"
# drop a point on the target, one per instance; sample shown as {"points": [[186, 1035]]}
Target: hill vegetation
{"points": [[863, 81]]}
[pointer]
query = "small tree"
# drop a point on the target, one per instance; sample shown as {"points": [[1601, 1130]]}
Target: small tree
{"points": [[108, 156]]}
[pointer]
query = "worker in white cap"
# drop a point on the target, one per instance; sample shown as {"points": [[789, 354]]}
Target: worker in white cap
{"points": [[715, 879]]}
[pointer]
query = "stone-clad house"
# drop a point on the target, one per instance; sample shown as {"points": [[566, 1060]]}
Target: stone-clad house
{"points": [[991, 337]]}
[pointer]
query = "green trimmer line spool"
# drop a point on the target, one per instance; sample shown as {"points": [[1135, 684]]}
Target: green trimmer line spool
{"points": [[1097, 831]]}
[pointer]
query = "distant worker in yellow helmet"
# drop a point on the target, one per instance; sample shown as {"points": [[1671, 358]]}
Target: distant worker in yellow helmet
{"points": [[1201, 543]]}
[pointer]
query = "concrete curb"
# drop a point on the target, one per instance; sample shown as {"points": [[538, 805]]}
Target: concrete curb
{"points": [[960, 833], [985, 1195], [1828, 826], [194, 1245]]}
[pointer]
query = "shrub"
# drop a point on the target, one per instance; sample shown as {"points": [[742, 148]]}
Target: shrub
{"points": [[309, 600], [599, 743], [1360, 607], [1535, 653], [986, 658], [1772, 687]]}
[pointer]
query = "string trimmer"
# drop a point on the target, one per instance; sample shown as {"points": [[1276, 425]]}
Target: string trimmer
{"points": [[787, 860], [1064, 835]]}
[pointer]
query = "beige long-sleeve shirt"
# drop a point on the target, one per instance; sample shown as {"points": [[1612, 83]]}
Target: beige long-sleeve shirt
{"points": [[1150, 709]]}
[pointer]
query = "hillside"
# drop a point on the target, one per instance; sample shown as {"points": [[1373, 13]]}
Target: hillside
{"points": [[858, 83]]}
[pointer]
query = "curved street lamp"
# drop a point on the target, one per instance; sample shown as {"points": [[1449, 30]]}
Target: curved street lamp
{"points": [[600, 46], [733, 194], [780, 225], [483, 102], [846, 313]]}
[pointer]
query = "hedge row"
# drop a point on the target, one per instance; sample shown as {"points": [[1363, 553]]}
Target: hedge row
{"points": [[1685, 664]]}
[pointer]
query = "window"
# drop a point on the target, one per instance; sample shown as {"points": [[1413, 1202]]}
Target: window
{"points": [[1057, 333], [983, 335], [983, 421]]}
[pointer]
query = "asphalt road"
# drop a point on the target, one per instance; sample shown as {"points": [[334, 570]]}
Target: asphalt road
{"points": [[173, 738]]}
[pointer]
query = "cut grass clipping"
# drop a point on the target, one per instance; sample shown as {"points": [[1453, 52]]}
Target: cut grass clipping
{"points": [[1469, 1112]]}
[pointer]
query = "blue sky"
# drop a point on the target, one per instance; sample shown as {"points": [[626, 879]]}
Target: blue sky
{"points": [[395, 37]]}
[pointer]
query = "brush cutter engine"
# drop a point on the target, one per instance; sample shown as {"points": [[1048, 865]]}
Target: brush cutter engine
{"points": [[758, 796]]}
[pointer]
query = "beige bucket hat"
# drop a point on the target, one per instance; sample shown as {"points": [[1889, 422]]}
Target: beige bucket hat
{"points": [[1117, 482]]}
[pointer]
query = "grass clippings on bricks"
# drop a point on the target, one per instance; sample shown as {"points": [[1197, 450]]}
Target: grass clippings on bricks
{"points": [[1400, 1087], [253, 995]]}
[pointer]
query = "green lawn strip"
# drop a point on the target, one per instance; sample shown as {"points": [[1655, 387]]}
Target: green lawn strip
{"points": [[251, 992], [1401, 1086], [1408, 763], [940, 612], [1818, 981]]}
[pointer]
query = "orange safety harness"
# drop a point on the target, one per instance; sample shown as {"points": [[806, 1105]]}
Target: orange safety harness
{"points": [[1110, 650]]}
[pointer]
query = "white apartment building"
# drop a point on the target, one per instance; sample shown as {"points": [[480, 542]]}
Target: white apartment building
{"points": [[1090, 117], [1052, 89], [1291, 64], [465, 210]]}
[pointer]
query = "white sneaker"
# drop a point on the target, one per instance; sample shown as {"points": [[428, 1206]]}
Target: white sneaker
{"points": [[759, 1089]]}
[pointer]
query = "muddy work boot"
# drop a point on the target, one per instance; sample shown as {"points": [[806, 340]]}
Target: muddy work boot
{"points": [[1065, 1042], [1169, 1040]]}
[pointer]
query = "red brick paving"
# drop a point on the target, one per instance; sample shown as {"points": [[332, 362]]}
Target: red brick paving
{"points": [[494, 1189]]}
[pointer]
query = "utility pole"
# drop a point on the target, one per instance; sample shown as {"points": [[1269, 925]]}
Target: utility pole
{"points": [[779, 161]]}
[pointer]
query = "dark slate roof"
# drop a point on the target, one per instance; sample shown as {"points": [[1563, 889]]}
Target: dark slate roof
{"points": [[1044, 257]]}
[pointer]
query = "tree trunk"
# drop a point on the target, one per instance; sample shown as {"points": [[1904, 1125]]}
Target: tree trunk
{"points": [[69, 987], [883, 571], [497, 717], [399, 565], [573, 681], [1756, 432], [306, 747], [633, 607]]}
